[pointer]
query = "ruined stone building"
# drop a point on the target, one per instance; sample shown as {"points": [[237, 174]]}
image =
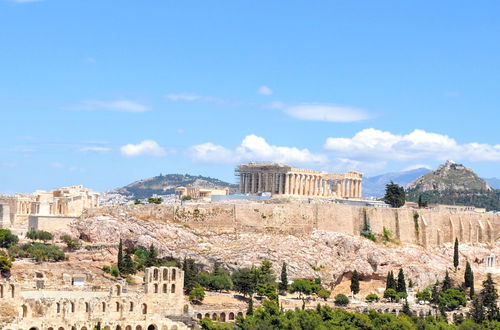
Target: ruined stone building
{"points": [[281, 179], [152, 307], [199, 193], [23, 212]]}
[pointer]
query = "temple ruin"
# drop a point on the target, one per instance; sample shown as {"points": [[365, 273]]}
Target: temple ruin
{"points": [[281, 179]]}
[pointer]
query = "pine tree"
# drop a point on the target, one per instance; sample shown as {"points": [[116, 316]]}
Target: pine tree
{"points": [[401, 286], [477, 311], [120, 257], [489, 297], [355, 282], [447, 284], [455, 254], [152, 258], [283, 285]]}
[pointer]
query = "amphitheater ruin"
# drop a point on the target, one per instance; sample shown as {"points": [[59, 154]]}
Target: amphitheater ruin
{"points": [[150, 308]]}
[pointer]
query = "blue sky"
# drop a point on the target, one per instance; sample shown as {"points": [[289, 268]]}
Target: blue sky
{"points": [[103, 93]]}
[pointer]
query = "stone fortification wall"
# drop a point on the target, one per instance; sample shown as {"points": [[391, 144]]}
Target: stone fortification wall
{"points": [[427, 227]]}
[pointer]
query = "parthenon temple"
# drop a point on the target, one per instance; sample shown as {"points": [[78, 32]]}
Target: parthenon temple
{"points": [[281, 179]]}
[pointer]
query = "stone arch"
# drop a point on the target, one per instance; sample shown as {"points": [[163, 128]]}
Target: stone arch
{"points": [[117, 306], [24, 310], [73, 328], [144, 309], [53, 328], [394, 311], [155, 288], [207, 315], [60, 328], [118, 327], [12, 291], [83, 328], [118, 289], [72, 307], [223, 317], [138, 327], [240, 314], [152, 327], [173, 288], [155, 274], [214, 316], [128, 327], [87, 307], [165, 274], [199, 316], [173, 274], [231, 316], [131, 308], [58, 308], [165, 288], [103, 305], [1, 290], [107, 327]]}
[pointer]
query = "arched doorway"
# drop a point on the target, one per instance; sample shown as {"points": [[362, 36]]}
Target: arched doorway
{"points": [[152, 327]]}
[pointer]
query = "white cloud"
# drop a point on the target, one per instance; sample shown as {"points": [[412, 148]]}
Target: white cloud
{"points": [[264, 90], [122, 105], [326, 112], [254, 148], [95, 149], [192, 97], [145, 148], [418, 145]]}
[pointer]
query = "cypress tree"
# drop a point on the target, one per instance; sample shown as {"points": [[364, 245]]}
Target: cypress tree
{"points": [[489, 298], [447, 282], [477, 311], [406, 308], [455, 254], [152, 258], [390, 282], [128, 264], [120, 257], [468, 276], [283, 285], [355, 282], [471, 291], [401, 286]]}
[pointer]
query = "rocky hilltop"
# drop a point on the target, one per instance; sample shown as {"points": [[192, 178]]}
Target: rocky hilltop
{"points": [[330, 255], [450, 176], [162, 185]]}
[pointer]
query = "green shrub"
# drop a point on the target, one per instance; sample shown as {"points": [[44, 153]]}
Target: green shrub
{"points": [[372, 297], [38, 251], [452, 299], [5, 265], [324, 294], [341, 300], [7, 239], [197, 293], [390, 294], [41, 235], [155, 200], [72, 244], [114, 271], [106, 269]]}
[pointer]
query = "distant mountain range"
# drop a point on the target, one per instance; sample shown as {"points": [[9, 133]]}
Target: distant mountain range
{"points": [[493, 182], [375, 186]]}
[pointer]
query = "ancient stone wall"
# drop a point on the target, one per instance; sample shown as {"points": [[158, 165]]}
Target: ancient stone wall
{"points": [[426, 227]]}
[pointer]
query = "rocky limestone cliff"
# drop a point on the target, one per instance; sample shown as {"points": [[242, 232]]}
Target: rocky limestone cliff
{"points": [[450, 176], [329, 255]]}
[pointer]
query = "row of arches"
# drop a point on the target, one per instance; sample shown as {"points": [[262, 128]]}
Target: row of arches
{"points": [[164, 274], [156, 288], [221, 317], [102, 307], [107, 327], [7, 290]]}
